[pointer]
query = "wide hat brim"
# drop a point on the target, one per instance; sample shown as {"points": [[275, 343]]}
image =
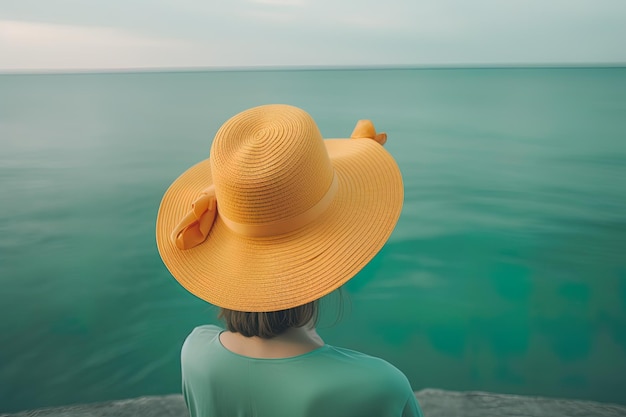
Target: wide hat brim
{"points": [[258, 274]]}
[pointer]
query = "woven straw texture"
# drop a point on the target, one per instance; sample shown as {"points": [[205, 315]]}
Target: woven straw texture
{"points": [[269, 164]]}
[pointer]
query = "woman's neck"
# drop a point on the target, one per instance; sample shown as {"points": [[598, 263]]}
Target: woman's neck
{"points": [[293, 342]]}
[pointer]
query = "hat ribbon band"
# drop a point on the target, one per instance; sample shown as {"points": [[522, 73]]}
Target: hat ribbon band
{"points": [[194, 228], [280, 227]]}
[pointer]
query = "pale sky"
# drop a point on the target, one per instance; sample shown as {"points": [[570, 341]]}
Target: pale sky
{"points": [[128, 34]]}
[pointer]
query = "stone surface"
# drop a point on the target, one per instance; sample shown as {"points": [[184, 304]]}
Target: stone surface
{"points": [[435, 403], [439, 403], [163, 406]]}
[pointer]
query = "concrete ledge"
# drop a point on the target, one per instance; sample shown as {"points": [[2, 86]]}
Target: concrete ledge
{"points": [[434, 402], [162, 406], [439, 403]]}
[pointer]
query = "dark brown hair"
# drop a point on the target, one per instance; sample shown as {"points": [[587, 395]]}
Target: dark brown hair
{"points": [[270, 324]]}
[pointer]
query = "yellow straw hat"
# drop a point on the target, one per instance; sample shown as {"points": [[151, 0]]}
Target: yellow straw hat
{"points": [[277, 216]]}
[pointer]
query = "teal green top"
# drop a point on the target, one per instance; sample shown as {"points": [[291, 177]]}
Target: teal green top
{"points": [[326, 382]]}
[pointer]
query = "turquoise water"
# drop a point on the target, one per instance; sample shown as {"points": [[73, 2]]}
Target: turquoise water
{"points": [[507, 271]]}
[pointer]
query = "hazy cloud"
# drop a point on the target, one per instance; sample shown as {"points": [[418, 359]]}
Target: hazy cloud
{"points": [[33, 45], [182, 33]]}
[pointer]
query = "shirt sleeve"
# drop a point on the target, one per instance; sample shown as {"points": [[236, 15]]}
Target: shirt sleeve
{"points": [[188, 363], [412, 408], [189, 400]]}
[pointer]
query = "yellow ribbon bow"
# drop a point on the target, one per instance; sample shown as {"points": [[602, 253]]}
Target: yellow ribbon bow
{"points": [[364, 129], [194, 228]]}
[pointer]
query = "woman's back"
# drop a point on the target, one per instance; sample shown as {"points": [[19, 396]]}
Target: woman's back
{"points": [[276, 218], [327, 381]]}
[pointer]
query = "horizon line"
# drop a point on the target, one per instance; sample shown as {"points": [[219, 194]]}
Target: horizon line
{"points": [[246, 68]]}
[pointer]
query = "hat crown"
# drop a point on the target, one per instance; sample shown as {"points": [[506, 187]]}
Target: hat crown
{"points": [[269, 164]]}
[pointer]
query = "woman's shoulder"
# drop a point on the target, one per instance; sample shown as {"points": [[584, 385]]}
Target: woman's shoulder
{"points": [[206, 330], [366, 378], [201, 336], [357, 356], [369, 365]]}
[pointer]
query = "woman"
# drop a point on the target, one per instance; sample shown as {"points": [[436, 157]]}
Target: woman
{"points": [[276, 218]]}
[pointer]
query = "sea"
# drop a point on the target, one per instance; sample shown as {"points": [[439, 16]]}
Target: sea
{"points": [[506, 272]]}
